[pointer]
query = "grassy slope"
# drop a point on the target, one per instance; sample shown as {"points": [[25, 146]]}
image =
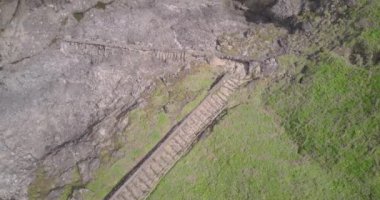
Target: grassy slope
{"points": [[149, 124], [333, 116], [332, 109], [247, 156]]}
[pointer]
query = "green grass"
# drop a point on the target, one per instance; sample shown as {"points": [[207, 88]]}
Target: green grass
{"points": [[331, 107], [333, 115], [248, 156], [150, 123]]}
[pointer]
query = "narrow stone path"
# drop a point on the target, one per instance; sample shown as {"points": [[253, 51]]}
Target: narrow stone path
{"points": [[148, 174]]}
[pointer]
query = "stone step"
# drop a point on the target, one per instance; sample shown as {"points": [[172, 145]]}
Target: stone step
{"points": [[202, 117], [230, 90], [233, 83], [139, 189], [193, 120], [145, 179], [209, 106], [145, 187], [218, 99], [180, 141], [205, 111], [225, 91], [166, 157], [125, 195], [188, 137], [150, 175], [175, 146], [217, 104], [238, 81], [189, 126], [160, 162], [206, 115], [169, 150], [230, 85], [134, 190], [222, 96], [156, 168], [191, 129]]}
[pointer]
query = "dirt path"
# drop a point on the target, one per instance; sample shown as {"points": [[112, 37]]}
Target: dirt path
{"points": [[141, 181]]}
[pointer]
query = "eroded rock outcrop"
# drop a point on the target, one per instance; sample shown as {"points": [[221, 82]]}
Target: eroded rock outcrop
{"points": [[275, 10], [286, 8], [59, 109]]}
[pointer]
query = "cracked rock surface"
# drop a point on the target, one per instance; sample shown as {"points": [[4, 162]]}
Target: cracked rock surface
{"points": [[58, 108]]}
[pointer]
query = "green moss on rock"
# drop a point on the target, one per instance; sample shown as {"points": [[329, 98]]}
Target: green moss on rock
{"points": [[41, 185]]}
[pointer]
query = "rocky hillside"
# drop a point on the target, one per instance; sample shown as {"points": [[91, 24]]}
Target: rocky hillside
{"points": [[75, 74], [72, 70]]}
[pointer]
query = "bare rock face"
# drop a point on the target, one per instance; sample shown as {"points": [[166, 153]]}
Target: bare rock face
{"points": [[71, 70], [8, 8]]}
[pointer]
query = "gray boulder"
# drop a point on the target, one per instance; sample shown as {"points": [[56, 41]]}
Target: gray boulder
{"points": [[275, 9], [285, 8]]}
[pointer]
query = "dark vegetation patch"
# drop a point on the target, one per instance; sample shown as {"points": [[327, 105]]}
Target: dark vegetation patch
{"points": [[100, 5], [78, 16], [363, 55]]}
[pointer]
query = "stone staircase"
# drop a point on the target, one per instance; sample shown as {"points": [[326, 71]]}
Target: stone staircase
{"points": [[142, 181]]}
